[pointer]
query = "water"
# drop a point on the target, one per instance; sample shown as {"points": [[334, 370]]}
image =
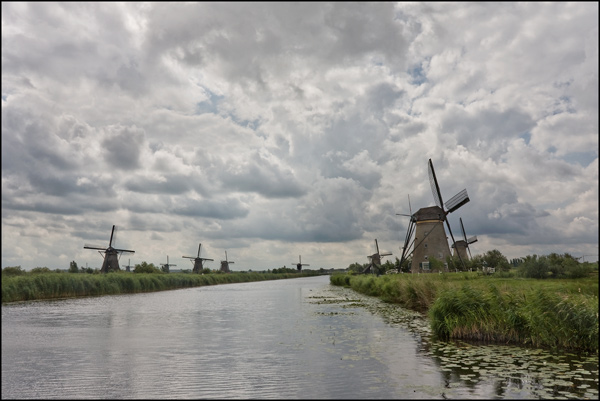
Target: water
{"points": [[295, 338]]}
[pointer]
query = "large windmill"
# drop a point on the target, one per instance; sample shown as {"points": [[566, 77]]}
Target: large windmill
{"points": [[427, 224], [166, 266], [300, 264], [461, 246], [375, 259], [225, 264], [197, 260], [111, 255]]}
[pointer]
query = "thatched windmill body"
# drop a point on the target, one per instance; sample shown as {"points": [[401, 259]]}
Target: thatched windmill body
{"points": [[300, 264], [197, 260], [375, 259], [166, 266], [111, 254], [427, 225], [462, 246], [225, 264]]}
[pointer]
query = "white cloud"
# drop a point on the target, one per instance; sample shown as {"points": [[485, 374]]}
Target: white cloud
{"points": [[272, 130]]}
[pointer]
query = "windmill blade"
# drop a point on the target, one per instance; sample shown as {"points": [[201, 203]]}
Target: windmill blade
{"points": [[407, 242], [454, 242], [402, 214], [472, 239], [124, 250], [199, 246], [462, 227], [409, 208], [457, 201], [89, 246], [112, 233], [189, 257], [231, 262], [206, 259], [376, 246], [435, 188], [386, 254]]}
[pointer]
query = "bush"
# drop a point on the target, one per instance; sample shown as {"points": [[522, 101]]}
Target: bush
{"points": [[13, 271]]}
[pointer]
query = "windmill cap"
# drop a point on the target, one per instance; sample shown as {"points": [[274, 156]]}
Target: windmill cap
{"points": [[429, 213]]}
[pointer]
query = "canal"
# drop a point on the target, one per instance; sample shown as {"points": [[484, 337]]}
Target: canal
{"points": [[295, 338]]}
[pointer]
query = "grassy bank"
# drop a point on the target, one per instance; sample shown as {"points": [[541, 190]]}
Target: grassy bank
{"points": [[67, 285], [544, 313]]}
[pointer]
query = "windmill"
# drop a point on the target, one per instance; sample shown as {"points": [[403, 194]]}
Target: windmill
{"points": [[427, 225], [461, 246], [111, 255], [375, 259], [128, 267], [300, 264], [225, 264], [197, 260], [165, 266]]}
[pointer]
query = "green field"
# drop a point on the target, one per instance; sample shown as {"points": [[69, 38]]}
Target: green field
{"points": [[560, 313]]}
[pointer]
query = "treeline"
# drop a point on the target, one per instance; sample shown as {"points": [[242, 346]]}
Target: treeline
{"points": [[145, 267], [553, 265], [560, 313]]}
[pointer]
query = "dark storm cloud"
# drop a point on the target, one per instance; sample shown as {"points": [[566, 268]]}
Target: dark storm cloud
{"points": [[122, 148], [261, 176]]}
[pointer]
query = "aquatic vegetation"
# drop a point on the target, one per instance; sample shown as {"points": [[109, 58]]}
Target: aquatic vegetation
{"points": [[543, 313]]}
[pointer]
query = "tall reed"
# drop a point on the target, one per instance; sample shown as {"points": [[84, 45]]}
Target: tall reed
{"points": [[544, 313], [65, 285]]}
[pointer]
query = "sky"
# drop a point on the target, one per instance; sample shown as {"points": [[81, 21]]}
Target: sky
{"points": [[274, 130]]}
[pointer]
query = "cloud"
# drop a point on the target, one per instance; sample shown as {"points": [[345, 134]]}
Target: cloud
{"points": [[295, 128]]}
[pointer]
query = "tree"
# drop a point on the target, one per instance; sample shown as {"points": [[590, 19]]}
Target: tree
{"points": [[534, 267], [13, 271], [145, 267], [356, 268], [37, 270], [495, 259], [73, 267]]}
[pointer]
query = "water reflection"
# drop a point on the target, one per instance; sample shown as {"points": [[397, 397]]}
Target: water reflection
{"points": [[299, 338]]}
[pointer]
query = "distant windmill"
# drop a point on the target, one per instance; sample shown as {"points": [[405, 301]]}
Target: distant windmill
{"points": [[197, 261], [166, 266], [428, 226], [128, 267], [111, 255], [300, 264], [461, 246], [375, 259], [225, 264]]}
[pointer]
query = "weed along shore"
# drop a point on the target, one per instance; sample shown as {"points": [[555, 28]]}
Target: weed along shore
{"points": [[52, 285], [551, 313]]}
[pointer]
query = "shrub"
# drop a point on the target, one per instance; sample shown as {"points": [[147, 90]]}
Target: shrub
{"points": [[13, 271]]}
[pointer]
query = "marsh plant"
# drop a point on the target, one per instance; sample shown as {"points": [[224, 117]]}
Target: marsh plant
{"points": [[17, 286], [560, 313]]}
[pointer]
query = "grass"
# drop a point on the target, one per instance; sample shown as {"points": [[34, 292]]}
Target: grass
{"points": [[67, 285], [561, 313]]}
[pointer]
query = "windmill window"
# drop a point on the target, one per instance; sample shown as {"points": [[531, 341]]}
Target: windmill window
{"points": [[425, 245], [426, 257]]}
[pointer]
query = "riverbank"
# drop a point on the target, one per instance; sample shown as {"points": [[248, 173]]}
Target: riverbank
{"points": [[69, 285], [542, 313]]}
